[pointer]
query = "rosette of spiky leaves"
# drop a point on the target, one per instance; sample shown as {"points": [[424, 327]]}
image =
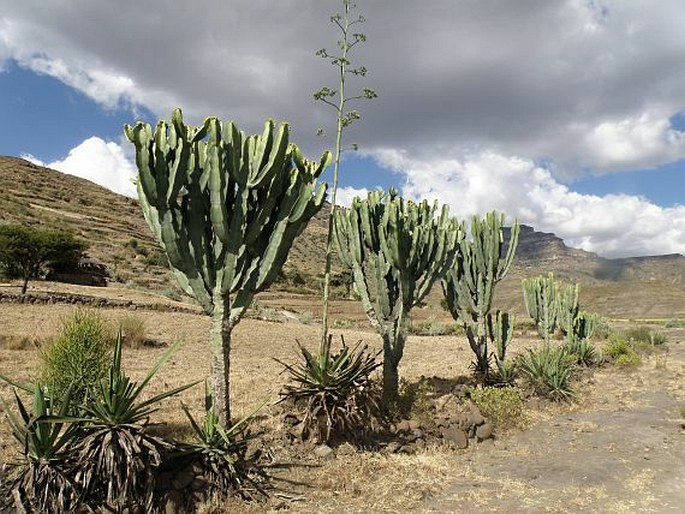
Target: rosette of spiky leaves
{"points": [[548, 371], [581, 351], [336, 388], [45, 478], [117, 456], [222, 451]]}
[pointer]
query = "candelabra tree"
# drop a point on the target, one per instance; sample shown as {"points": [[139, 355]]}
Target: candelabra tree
{"points": [[396, 250], [469, 286], [226, 208]]}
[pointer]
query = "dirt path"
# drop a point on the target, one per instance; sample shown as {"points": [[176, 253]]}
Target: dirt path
{"points": [[623, 450]]}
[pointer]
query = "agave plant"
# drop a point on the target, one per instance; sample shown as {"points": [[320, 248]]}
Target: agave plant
{"points": [[117, 456], [222, 451], [45, 479], [340, 398], [581, 351]]}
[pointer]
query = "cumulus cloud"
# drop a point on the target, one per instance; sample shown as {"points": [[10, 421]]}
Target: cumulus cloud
{"points": [[101, 162], [345, 195], [470, 93], [611, 225]]}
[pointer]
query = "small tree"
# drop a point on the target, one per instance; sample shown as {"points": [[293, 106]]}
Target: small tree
{"points": [[469, 287], [226, 209], [344, 118], [26, 251], [396, 251]]}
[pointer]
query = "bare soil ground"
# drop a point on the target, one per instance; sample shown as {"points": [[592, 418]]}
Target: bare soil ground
{"points": [[620, 447]]}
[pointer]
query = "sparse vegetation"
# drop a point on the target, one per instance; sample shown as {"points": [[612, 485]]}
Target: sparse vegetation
{"points": [[132, 329], [620, 349]]}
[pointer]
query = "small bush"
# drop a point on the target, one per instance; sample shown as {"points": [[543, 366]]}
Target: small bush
{"points": [[132, 330], [414, 401], [674, 323], [79, 357], [548, 371], [503, 405], [306, 318], [621, 350]]}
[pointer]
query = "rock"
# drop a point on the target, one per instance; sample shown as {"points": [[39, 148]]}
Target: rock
{"points": [[298, 431], [442, 403], [484, 431], [455, 436], [487, 443], [324, 452], [475, 418]]}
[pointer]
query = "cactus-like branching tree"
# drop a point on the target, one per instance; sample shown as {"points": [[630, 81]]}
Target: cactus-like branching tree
{"points": [[469, 286], [226, 208], [396, 250], [540, 297]]}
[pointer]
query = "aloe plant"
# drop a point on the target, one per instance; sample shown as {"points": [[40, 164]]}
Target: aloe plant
{"points": [[336, 388], [45, 481], [117, 455], [396, 250], [226, 208]]}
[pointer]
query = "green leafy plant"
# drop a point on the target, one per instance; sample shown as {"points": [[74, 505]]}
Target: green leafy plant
{"points": [[222, 451], [45, 481], [79, 357], [548, 371], [117, 455], [336, 389], [503, 405]]}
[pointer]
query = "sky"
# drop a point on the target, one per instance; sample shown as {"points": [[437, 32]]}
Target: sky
{"points": [[568, 115]]}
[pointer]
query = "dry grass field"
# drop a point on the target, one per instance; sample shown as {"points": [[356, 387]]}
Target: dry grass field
{"points": [[619, 447]]}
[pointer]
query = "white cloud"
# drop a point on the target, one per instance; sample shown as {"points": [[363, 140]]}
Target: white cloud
{"points": [[345, 195], [101, 162], [478, 93], [611, 225]]}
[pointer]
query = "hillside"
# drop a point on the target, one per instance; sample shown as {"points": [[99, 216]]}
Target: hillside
{"points": [[114, 227]]}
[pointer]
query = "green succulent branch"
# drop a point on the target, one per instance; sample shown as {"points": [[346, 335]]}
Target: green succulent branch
{"points": [[337, 99]]}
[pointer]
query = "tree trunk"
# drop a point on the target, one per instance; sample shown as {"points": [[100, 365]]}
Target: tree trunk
{"points": [[393, 348], [479, 345], [220, 345], [25, 285]]}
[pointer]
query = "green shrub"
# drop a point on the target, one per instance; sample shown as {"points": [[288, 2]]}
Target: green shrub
{"points": [[503, 405], [621, 350], [548, 371], [78, 357], [132, 330]]}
